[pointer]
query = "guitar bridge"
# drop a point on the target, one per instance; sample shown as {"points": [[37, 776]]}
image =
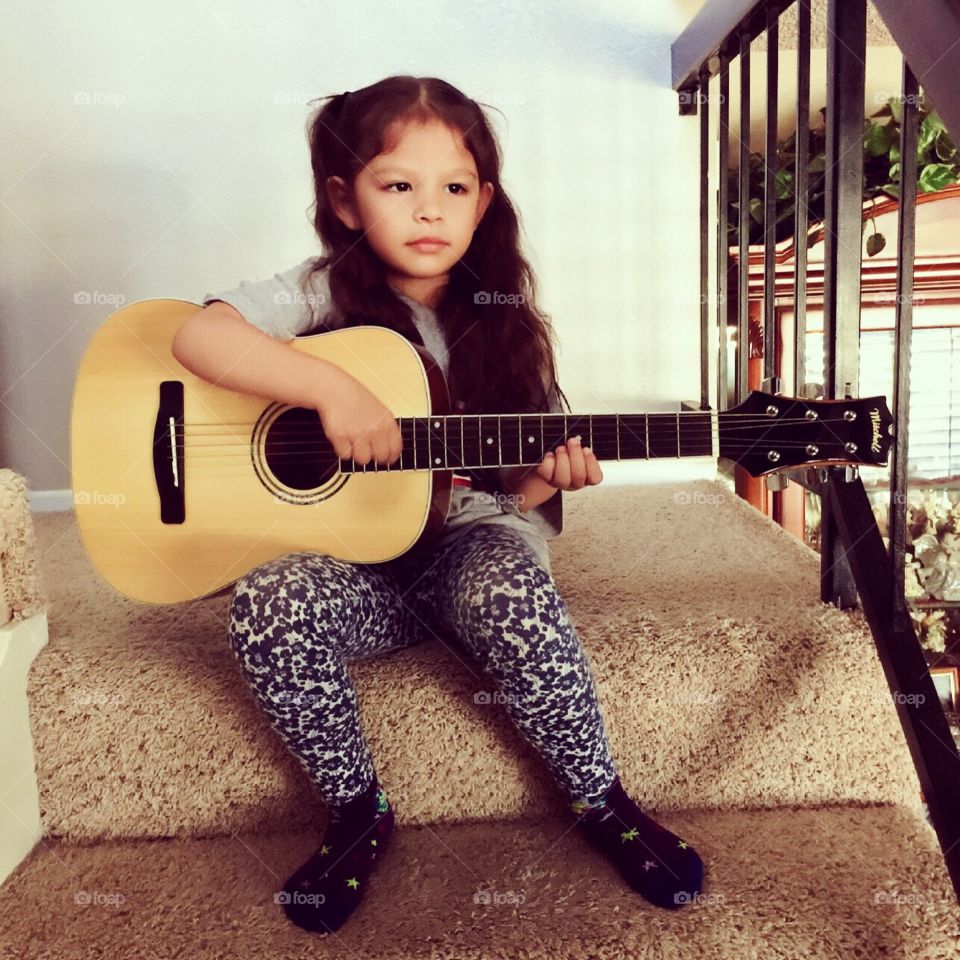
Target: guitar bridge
{"points": [[168, 452]]}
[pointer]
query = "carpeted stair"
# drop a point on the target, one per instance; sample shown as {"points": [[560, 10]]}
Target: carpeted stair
{"points": [[743, 713]]}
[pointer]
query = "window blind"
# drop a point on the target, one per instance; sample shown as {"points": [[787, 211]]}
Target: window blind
{"points": [[934, 414]]}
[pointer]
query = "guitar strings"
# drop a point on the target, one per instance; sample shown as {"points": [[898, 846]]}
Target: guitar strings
{"points": [[604, 428]]}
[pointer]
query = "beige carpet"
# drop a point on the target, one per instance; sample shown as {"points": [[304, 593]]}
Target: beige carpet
{"points": [[740, 709], [826, 883]]}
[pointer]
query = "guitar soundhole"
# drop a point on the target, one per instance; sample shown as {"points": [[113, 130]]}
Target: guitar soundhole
{"points": [[297, 452]]}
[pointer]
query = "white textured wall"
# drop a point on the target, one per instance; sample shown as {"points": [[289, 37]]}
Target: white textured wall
{"points": [[188, 170]]}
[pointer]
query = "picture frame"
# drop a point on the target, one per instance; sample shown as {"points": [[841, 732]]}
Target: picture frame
{"points": [[947, 683]]}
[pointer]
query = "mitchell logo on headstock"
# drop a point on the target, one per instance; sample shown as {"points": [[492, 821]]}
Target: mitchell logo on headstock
{"points": [[875, 421]]}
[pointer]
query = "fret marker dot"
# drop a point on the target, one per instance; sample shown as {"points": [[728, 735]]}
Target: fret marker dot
{"points": [[436, 460], [529, 439], [436, 423], [489, 439]]}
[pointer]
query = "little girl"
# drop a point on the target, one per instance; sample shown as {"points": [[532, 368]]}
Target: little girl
{"points": [[421, 238]]}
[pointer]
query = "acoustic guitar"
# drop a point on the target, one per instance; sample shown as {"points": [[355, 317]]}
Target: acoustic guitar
{"points": [[181, 487]]}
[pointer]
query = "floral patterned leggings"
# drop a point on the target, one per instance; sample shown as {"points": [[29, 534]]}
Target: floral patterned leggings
{"points": [[296, 621]]}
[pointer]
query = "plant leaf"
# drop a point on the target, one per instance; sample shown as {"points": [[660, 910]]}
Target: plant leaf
{"points": [[875, 243], [936, 176], [784, 184], [930, 128], [944, 147], [896, 108], [877, 140]]}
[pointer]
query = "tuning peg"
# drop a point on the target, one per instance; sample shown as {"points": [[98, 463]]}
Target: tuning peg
{"points": [[777, 481]]}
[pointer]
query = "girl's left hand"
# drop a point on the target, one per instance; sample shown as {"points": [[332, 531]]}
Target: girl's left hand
{"points": [[570, 467]]}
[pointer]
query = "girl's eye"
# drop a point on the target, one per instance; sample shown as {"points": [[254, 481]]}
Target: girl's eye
{"points": [[461, 187]]}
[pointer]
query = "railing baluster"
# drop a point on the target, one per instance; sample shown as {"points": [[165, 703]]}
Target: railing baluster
{"points": [[770, 339], [846, 51], [723, 219], [801, 190], [903, 331], [703, 95], [743, 224]]}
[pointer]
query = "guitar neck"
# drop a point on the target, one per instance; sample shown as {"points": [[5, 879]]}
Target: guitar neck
{"points": [[459, 442]]}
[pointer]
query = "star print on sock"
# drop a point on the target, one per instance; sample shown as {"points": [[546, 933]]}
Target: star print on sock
{"points": [[337, 874], [655, 862]]}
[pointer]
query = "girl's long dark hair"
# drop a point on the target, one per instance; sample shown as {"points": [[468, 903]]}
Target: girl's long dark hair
{"points": [[501, 344]]}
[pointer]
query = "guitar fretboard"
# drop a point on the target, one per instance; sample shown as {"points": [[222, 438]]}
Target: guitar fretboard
{"points": [[494, 440]]}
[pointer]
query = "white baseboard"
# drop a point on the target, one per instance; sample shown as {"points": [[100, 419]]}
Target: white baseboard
{"points": [[20, 828], [46, 500]]}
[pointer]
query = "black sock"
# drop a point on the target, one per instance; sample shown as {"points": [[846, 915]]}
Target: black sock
{"points": [[325, 890], [653, 861]]}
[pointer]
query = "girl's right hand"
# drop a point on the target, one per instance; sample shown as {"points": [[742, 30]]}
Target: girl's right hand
{"points": [[359, 426]]}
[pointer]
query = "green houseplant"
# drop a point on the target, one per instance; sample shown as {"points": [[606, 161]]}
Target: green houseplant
{"points": [[938, 166]]}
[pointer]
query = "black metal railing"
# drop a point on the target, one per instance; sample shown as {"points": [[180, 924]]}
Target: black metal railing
{"points": [[854, 560]]}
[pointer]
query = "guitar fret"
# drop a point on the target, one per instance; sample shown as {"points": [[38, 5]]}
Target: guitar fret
{"points": [[678, 433]]}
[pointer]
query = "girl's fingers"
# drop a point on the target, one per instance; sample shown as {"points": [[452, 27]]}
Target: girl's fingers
{"points": [[578, 469], [546, 468], [594, 474], [561, 475]]}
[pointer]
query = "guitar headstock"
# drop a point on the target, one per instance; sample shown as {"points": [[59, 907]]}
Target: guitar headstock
{"points": [[767, 432]]}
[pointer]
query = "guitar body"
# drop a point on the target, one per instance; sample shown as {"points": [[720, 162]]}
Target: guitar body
{"points": [[245, 497]]}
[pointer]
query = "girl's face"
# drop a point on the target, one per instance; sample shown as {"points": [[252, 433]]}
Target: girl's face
{"points": [[426, 185]]}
